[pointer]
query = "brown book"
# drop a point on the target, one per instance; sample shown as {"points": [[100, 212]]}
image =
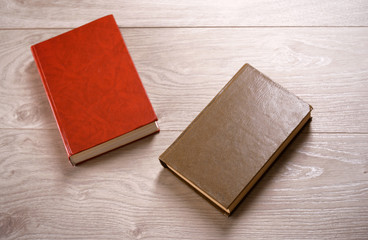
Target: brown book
{"points": [[233, 141]]}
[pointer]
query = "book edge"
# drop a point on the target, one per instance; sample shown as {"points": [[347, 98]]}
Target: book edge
{"points": [[152, 128], [198, 189]]}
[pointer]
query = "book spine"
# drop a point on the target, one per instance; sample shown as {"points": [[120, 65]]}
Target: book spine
{"points": [[51, 102]]}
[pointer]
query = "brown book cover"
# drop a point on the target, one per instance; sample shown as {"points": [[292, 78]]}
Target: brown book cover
{"points": [[233, 141]]}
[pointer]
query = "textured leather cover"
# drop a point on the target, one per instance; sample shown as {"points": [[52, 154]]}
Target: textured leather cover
{"points": [[92, 85], [234, 137]]}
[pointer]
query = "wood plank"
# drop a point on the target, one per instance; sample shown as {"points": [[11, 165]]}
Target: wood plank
{"points": [[66, 14], [183, 69], [317, 188]]}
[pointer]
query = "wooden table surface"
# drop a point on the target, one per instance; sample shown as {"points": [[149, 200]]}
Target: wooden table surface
{"points": [[185, 52]]}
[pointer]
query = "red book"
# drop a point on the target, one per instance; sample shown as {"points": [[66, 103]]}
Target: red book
{"points": [[94, 90]]}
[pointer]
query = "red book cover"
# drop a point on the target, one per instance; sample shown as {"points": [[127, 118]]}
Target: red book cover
{"points": [[92, 85]]}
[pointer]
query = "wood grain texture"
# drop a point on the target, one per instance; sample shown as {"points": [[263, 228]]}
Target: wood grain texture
{"points": [[163, 13], [183, 69], [125, 195], [185, 51]]}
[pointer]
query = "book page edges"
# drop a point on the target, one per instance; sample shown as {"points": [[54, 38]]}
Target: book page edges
{"points": [[115, 143], [200, 190]]}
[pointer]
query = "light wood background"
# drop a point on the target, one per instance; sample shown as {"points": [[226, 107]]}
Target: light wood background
{"points": [[185, 51]]}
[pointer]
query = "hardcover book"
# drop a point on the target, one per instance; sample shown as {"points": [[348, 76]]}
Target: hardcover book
{"points": [[94, 90], [233, 141]]}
